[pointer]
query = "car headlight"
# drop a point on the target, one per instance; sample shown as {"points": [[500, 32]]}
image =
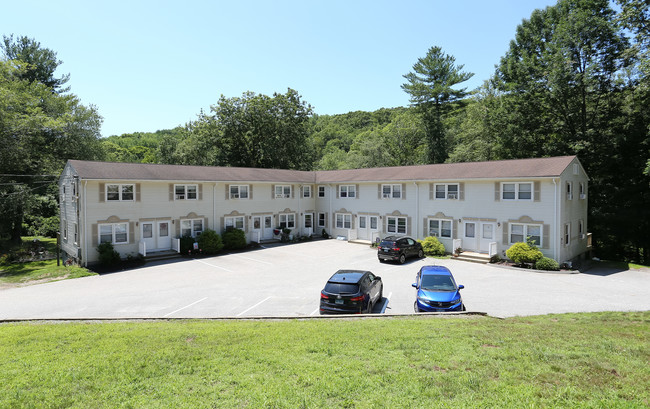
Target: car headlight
{"points": [[456, 301], [423, 300]]}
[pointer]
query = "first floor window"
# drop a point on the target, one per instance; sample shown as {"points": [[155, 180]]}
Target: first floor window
{"points": [[287, 221], [115, 233], [239, 191], [581, 228], [567, 234], [525, 233], [191, 227], [348, 191], [236, 222], [343, 221], [185, 192], [440, 228], [321, 219], [76, 233], [65, 230], [396, 225]]}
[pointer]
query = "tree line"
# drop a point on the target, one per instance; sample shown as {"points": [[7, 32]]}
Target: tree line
{"points": [[574, 81]]}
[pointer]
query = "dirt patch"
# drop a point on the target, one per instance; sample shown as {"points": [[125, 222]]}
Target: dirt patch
{"points": [[8, 286]]}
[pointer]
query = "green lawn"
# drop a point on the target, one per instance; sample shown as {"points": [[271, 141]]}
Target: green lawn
{"points": [[37, 271], [599, 360]]}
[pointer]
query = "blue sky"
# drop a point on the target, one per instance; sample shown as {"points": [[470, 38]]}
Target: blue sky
{"points": [[150, 65]]}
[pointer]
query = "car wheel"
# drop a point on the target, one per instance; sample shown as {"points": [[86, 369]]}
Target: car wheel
{"points": [[381, 260], [369, 311], [381, 294], [463, 308], [420, 254], [415, 307], [402, 259]]}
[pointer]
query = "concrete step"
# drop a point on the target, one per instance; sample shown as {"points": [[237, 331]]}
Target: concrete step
{"points": [[162, 255], [473, 257]]}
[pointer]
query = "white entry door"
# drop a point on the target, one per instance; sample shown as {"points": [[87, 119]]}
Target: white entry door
{"points": [[308, 224], [470, 237], [267, 232], [362, 227], [164, 236], [488, 234], [147, 235]]}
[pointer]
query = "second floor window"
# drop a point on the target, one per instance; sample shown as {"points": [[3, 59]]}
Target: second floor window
{"points": [[447, 191], [118, 192], [517, 191], [321, 191], [239, 191], [347, 191], [391, 191], [306, 191], [283, 191], [185, 192]]}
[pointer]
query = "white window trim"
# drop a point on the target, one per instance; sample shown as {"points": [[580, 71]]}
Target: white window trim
{"points": [[113, 232], [321, 224], [583, 193], [350, 191], [517, 191], [76, 233], [287, 223], [306, 191], [569, 190], [525, 233], [397, 219], [344, 216], [65, 230], [282, 195], [119, 191], [231, 221], [448, 195], [392, 191], [567, 234], [238, 195], [440, 236], [185, 186], [323, 191]]}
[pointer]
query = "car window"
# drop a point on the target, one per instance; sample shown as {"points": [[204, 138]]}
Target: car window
{"points": [[371, 276], [341, 288], [411, 242], [387, 243], [402, 242], [437, 283]]}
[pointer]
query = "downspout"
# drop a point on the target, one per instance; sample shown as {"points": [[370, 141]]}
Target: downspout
{"points": [[417, 210], [330, 216], [214, 207], [555, 226], [85, 224]]}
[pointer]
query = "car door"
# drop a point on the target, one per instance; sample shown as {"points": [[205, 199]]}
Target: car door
{"points": [[373, 289], [410, 246]]}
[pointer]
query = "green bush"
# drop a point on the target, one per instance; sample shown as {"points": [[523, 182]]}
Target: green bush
{"points": [[432, 246], [187, 244], [210, 242], [546, 263], [41, 226], [234, 239], [107, 255], [523, 253]]}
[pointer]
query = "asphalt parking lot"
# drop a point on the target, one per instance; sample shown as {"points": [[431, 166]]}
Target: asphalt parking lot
{"points": [[285, 281]]}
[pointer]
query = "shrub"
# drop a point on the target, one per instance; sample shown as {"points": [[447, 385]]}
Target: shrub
{"points": [[495, 259], [187, 244], [522, 253], [546, 263], [210, 242], [432, 246], [107, 255], [234, 239]]}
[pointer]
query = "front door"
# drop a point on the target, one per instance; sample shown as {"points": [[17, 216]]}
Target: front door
{"points": [[469, 239], [373, 224], [488, 234], [362, 229], [164, 236], [267, 233], [147, 234], [257, 228], [308, 224]]}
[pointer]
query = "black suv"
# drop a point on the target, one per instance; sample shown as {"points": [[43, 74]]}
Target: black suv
{"points": [[399, 248], [351, 292]]}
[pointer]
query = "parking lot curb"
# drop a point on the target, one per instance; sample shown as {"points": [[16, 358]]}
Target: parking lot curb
{"points": [[232, 318]]}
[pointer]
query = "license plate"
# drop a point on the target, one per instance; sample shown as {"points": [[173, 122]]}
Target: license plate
{"points": [[385, 250], [338, 301]]}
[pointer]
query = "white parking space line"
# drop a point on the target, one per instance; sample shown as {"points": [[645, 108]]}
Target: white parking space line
{"points": [[187, 306], [259, 303], [214, 265], [315, 311], [251, 259]]}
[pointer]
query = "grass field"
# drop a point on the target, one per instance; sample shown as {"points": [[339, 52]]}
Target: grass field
{"points": [[598, 360]]}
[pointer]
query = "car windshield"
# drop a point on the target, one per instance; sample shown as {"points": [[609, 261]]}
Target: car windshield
{"points": [[437, 283], [341, 288]]}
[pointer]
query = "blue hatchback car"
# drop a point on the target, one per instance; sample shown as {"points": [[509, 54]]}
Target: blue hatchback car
{"points": [[437, 290]]}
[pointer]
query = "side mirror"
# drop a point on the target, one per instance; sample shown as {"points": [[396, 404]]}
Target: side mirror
{"points": [[460, 286], [414, 285], [377, 278]]}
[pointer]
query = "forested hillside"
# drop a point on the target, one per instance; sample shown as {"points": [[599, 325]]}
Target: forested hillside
{"points": [[575, 80]]}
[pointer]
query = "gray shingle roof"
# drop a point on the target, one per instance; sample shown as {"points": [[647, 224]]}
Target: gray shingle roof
{"points": [[516, 168]]}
